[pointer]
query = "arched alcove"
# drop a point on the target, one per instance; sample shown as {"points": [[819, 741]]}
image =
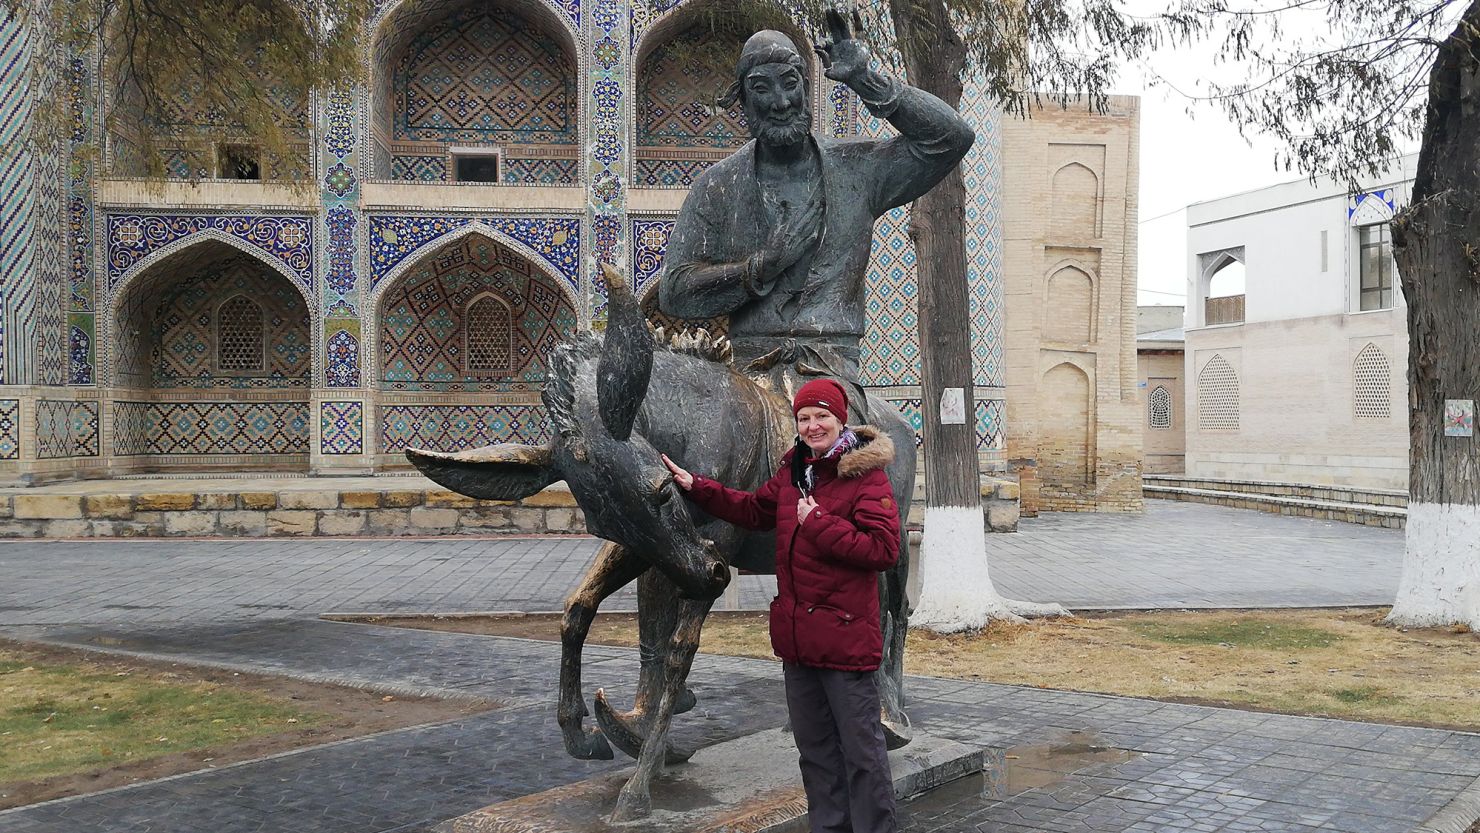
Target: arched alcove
{"points": [[1074, 212], [475, 91], [1223, 286], [1070, 306], [1372, 384], [212, 355], [1066, 450], [1218, 396]]}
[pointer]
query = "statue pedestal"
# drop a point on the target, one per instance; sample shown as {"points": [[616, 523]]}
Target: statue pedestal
{"points": [[747, 785]]}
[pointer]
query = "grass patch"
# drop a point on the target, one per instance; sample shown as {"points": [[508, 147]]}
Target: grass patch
{"points": [[1331, 663], [1258, 633], [57, 719]]}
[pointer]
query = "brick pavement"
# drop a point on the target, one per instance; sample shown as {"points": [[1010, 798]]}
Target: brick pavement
{"points": [[250, 604], [1176, 555]]}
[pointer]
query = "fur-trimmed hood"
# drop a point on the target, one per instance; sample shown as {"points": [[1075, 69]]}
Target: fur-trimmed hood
{"points": [[874, 451]]}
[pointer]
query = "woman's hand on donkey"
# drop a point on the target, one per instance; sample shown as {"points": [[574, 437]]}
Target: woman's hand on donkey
{"points": [[684, 480]]}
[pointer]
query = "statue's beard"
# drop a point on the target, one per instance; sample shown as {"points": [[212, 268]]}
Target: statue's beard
{"points": [[784, 134]]}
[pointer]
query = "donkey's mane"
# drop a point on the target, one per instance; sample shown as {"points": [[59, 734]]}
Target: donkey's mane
{"points": [[697, 342]]}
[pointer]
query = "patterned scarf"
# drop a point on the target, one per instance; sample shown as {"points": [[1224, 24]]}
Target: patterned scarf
{"points": [[802, 475]]}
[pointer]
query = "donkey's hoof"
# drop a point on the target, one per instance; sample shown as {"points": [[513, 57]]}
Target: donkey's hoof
{"points": [[631, 806], [686, 701], [592, 746], [896, 735]]}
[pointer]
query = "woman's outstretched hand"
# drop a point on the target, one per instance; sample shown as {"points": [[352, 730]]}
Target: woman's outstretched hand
{"points": [[684, 480]]}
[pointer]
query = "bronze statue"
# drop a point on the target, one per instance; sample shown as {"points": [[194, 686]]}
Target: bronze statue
{"points": [[788, 266]]}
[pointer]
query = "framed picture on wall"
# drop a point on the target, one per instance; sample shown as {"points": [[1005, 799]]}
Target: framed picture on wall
{"points": [[1459, 417]]}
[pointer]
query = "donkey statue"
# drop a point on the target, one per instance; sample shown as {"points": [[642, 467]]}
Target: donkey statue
{"points": [[613, 404]]}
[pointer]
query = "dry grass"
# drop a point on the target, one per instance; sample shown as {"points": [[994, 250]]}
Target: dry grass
{"points": [[1337, 663], [57, 719]]}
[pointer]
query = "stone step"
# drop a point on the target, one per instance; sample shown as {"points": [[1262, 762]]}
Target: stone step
{"points": [[1390, 517], [1315, 491]]}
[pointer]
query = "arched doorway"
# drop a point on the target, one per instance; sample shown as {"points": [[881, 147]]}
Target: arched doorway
{"points": [[462, 337], [213, 359], [467, 91]]}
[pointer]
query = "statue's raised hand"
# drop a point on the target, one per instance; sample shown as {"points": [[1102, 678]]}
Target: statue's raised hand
{"points": [[844, 57]]}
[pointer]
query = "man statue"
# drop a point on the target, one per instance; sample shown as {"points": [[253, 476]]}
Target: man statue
{"points": [[777, 235]]}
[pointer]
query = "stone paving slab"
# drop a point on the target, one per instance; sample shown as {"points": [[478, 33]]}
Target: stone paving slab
{"points": [[1176, 555], [1190, 767]]}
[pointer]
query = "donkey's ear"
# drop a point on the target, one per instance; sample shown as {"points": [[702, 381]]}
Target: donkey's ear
{"points": [[626, 357], [508, 471]]}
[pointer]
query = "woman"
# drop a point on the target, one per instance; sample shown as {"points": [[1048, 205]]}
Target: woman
{"points": [[837, 527]]}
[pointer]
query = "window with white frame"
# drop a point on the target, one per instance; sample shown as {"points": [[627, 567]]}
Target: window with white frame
{"points": [[1376, 271]]}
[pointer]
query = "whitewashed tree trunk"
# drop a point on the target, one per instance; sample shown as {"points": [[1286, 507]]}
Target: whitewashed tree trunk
{"points": [[1437, 245]]}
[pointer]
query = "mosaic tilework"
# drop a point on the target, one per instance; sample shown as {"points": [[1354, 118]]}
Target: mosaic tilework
{"points": [[419, 168], [982, 170], [10, 429], [1371, 207], [422, 335], [134, 237], [842, 111], [341, 428], [516, 171], [460, 427], [555, 240], [890, 352], [649, 242], [342, 347], [676, 100], [15, 199], [66, 429], [608, 156], [210, 428], [990, 435], [669, 173], [484, 76], [186, 326], [82, 355]]}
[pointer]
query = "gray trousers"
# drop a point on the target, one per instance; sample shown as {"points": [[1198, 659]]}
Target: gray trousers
{"points": [[845, 766]]}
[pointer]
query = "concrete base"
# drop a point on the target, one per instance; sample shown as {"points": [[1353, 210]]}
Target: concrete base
{"points": [[747, 785]]}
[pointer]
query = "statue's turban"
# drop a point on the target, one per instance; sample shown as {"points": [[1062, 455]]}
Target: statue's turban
{"points": [[767, 46]]}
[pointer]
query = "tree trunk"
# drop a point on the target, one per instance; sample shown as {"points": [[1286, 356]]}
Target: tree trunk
{"points": [[956, 590], [1437, 245]]}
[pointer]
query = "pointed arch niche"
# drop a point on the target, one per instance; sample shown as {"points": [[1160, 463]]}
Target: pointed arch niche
{"points": [[461, 340], [468, 80], [212, 357], [685, 63], [1066, 451], [1069, 304]]}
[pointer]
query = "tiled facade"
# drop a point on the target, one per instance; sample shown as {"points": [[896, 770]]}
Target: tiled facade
{"points": [[364, 285]]}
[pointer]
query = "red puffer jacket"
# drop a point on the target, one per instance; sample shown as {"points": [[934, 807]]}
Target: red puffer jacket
{"points": [[827, 611]]}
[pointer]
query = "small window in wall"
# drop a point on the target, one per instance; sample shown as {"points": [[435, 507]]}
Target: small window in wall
{"points": [[239, 336], [490, 337], [1217, 396], [238, 162], [1376, 267], [1372, 384], [475, 164], [1160, 405]]}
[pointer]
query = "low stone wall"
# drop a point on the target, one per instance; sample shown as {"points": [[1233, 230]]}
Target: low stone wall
{"points": [[299, 513], [306, 512]]}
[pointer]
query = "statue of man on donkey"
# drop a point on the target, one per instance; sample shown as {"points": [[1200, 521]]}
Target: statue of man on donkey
{"points": [[776, 236]]}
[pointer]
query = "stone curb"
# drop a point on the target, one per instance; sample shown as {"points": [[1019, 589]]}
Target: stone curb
{"points": [[1458, 815]]}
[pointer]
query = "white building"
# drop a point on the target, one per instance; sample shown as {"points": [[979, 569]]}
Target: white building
{"points": [[1296, 335]]}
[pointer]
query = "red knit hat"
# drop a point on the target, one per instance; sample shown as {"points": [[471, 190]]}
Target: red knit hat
{"points": [[822, 393]]}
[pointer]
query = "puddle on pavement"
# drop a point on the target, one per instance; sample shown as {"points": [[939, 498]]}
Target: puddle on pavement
{"points": [[1035, 767]]}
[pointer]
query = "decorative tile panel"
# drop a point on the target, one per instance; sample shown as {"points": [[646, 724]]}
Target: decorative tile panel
{"points": [[16, 202], [989, 421], [286, 240], [422, 326], [66, 429], [608, 156], [340, 194], [342, 346], [341, 428], [163, 428], [81, 354], [10, 429], [460, 427], [555, 240], [483, 75], [676, 104]]}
